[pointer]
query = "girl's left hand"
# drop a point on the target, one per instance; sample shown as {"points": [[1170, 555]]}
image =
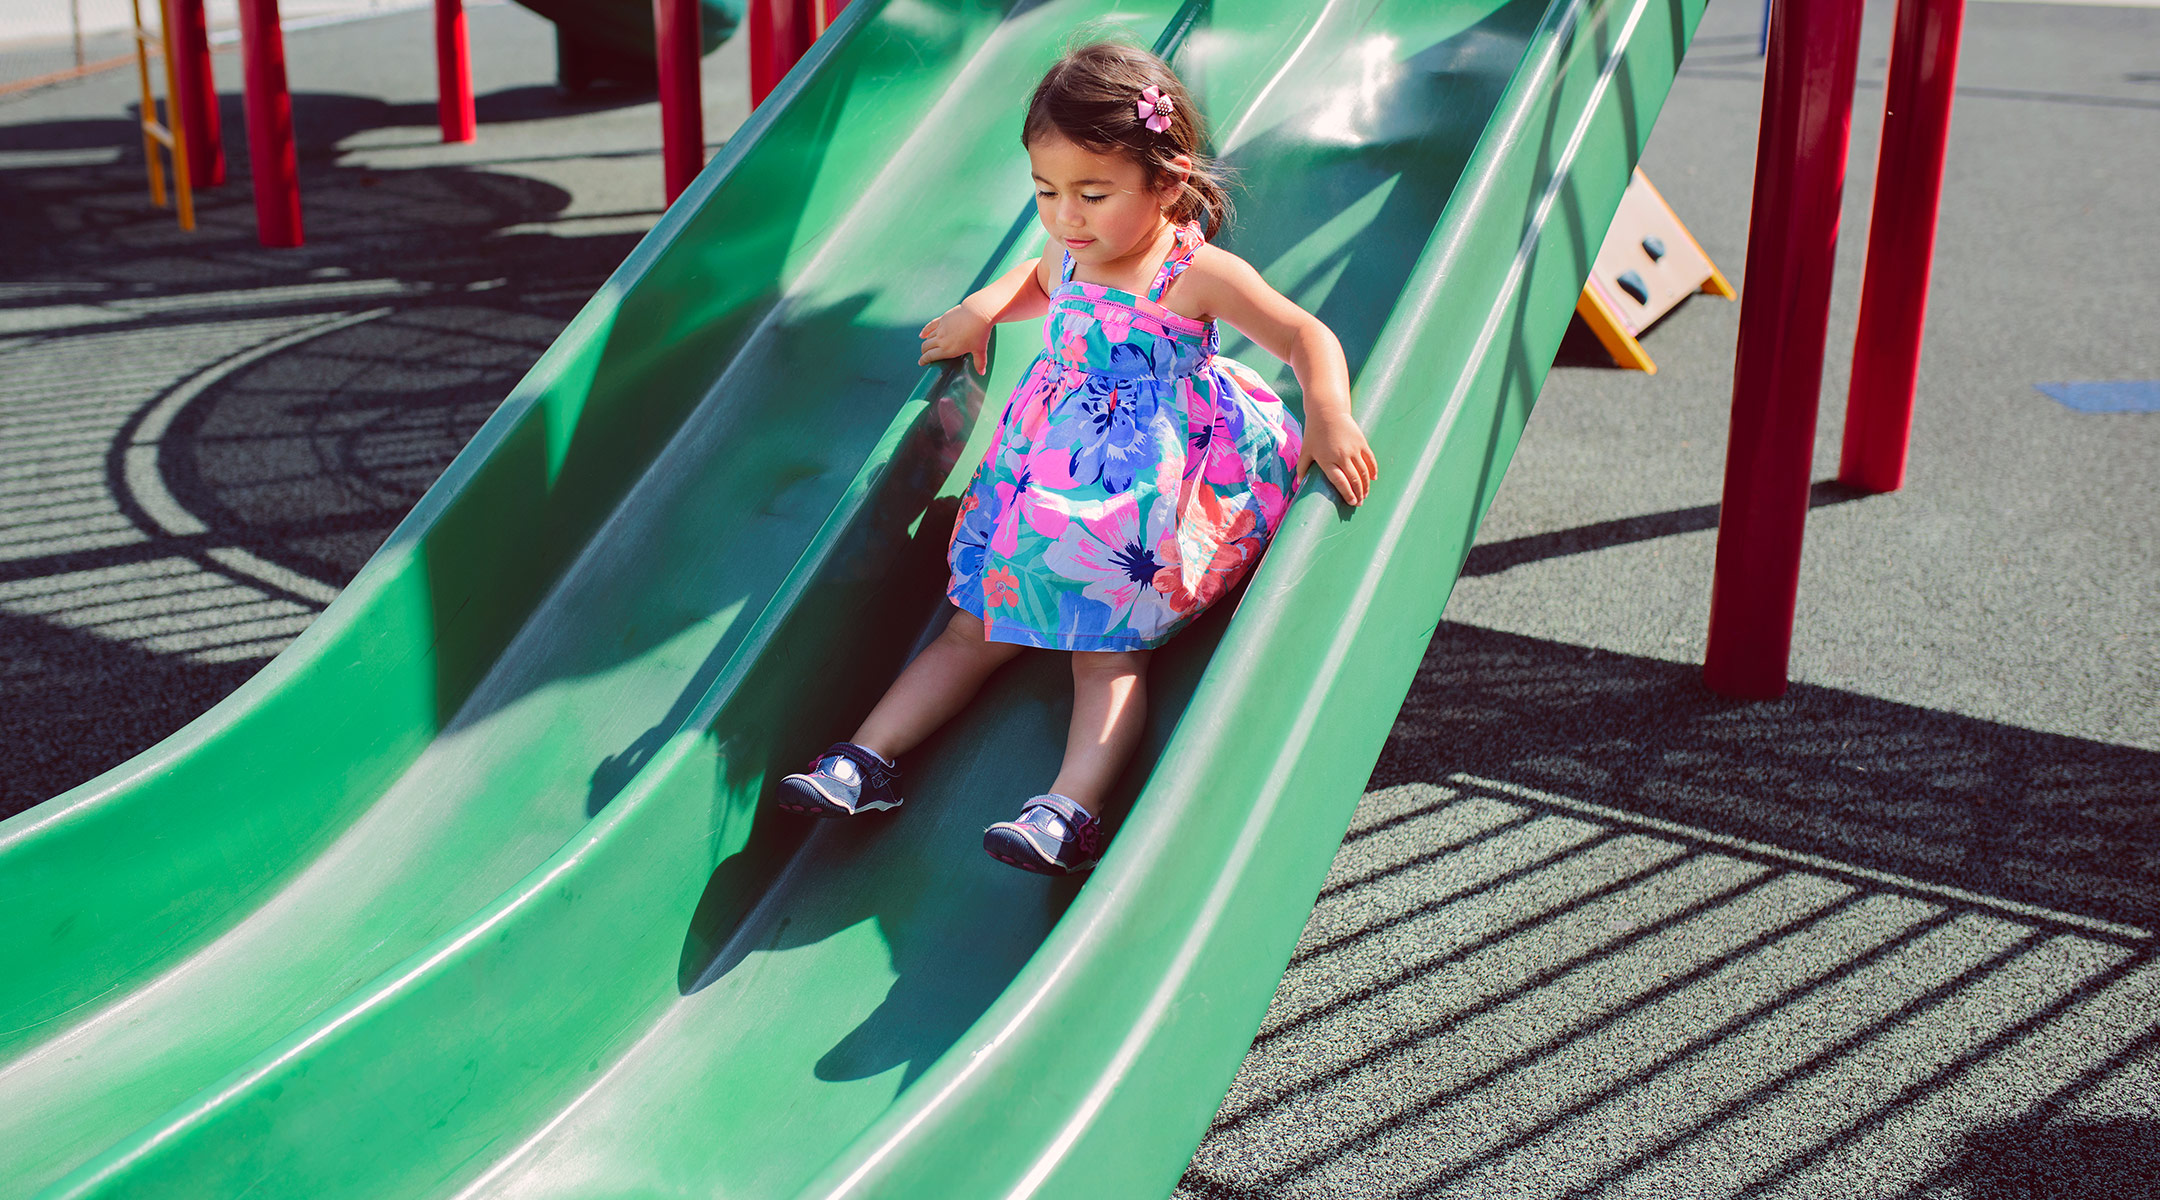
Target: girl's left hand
{"points": [[957, 333], [1338, 447]]}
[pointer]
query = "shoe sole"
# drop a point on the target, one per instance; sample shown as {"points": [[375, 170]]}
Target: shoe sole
{"points": [[821, 803], [1038, 862]]}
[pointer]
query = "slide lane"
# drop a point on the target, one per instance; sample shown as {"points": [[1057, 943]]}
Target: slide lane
{"points": [[1101, 1065], [547, 618], [697, 996]]}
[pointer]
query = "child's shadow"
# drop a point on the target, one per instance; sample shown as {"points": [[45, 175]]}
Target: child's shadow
{"points": [[907, 897]]}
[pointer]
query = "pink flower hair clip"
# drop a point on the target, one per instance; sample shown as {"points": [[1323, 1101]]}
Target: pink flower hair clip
{"points": [[1154, 108]]}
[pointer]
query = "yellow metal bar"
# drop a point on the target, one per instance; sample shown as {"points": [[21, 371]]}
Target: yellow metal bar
{"points": [[35, 82], [167, 133], [182, 184], [151, 163], [1611, 334]]}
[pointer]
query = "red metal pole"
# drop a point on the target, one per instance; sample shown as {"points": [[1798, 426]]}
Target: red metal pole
{"points": [[764, 18], [780, 34], [453, 73], [1901, 243], [1784, 318], [272, 160], [678, 39], [187, 39]]}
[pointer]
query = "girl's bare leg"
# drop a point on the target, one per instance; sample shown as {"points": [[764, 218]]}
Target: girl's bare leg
{"points": [[1109, 714], [938, 684]]}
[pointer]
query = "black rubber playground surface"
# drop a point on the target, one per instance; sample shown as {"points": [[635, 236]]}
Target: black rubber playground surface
{"points": [[1596, 932]]}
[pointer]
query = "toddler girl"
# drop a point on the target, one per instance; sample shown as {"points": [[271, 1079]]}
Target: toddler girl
{"points": [[1135, 475]]}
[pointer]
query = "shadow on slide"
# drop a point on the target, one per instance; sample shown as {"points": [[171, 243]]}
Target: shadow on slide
{"points": [[472, 891]]}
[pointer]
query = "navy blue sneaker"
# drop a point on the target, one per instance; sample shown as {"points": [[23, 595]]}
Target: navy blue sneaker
{"points": [[1052, 836], [845, 780]]}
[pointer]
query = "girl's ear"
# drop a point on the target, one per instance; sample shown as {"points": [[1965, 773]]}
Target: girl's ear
{"points": [[1175, 174]]}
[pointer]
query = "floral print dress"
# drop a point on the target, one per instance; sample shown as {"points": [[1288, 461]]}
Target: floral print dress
{"points": [[1134, 478]]}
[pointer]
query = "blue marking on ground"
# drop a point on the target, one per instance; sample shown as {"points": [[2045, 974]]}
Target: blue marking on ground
{"points": [[2118, 396]]}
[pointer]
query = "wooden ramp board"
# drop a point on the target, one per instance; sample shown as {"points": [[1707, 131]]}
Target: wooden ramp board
{"points": [[1648, 264]]}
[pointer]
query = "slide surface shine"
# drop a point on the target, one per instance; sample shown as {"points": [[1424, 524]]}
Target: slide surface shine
{"points": [[473, 891]]}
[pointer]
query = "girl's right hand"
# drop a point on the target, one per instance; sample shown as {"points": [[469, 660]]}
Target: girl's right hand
{"points": [[957, 333], [1336, 445]]}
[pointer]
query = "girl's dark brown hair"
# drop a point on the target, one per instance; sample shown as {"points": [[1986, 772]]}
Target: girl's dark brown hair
{"points": [[1091, 97]]}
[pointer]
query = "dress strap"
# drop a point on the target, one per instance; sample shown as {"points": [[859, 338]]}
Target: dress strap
{"points": [[1065, 274], [1182, 245]]}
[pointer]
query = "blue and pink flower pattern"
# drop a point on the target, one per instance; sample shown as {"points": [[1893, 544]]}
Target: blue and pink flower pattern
{"points": [[1134, 478]]}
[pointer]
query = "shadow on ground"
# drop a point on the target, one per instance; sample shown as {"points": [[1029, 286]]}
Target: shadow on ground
{"points": [[1596, 931], [2076, 1159], [2060, 822], [307, 457], [70, 702], [1546, 1003]]}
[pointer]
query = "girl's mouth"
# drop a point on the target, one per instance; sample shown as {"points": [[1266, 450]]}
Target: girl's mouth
{"points": [[1077, 243]]}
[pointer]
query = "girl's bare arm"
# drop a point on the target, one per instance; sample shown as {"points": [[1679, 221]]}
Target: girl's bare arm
{"points": [[1227, 287], [964, 329]]}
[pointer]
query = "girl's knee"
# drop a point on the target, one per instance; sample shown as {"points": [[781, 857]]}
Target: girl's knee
{"points": [[966, 627], [1109, 664], [965, 631]]}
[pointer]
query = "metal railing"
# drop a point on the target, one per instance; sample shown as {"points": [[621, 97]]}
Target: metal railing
{"points": [[171, 133]]}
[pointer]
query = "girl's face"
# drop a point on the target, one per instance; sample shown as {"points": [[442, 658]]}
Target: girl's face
{"points": [[1097, 206]]}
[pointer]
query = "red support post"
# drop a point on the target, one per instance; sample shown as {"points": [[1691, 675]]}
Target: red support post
{"points": [[779, 35], [1784, 319], [272, 160], [678, 39], [781, 32], [187, 39], [1901, 243], [453, 73]]}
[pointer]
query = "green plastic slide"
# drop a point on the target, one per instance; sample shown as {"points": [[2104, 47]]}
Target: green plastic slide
{"points": [[473, 891]]}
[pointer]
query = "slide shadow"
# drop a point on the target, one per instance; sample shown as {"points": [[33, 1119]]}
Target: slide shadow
{"points": [[2061, 822], [2076, 1158]]}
